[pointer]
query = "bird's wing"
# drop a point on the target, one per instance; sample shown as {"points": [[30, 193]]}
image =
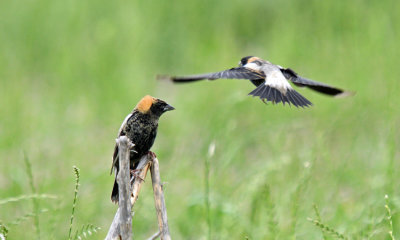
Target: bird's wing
{"points": [[233, 73], [317, 86], [114, 158], [120, 133]]}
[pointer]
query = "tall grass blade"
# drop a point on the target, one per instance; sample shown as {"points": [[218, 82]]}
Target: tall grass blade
{"points": [[76, 171], [33, 190]]}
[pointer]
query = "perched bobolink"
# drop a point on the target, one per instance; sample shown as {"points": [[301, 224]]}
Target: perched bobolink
{"points": [[140, 127], [271, 81]]}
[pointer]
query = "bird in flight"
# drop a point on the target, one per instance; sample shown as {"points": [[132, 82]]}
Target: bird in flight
{"points": [[271, 81]]}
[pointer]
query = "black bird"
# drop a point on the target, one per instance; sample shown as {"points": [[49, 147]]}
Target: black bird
{"points": [[140, 127], [271, 81]]}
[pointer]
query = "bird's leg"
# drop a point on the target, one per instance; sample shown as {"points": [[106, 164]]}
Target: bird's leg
{"points": [[134, 172], [151, 154], [264, 100], [135, 175]]}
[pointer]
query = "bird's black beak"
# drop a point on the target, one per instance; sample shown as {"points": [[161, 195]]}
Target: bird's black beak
{"points": [[168, 108]]}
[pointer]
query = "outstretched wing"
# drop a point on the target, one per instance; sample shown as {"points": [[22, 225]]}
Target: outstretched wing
{"points": [[233, 73], [317, 86]]}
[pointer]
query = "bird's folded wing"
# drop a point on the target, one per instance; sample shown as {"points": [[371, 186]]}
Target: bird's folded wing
{"points": [[233, 73], [114, 158], [115, 155], [317, 86]]}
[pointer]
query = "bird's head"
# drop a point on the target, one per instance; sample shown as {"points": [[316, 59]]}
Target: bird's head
{"points": [[153, 106], [246, 60]]}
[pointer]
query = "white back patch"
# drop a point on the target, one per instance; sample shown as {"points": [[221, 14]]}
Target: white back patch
{"points": [[276, 80], [124, 123]]}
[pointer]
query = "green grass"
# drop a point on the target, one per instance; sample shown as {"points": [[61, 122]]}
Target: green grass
{"points": [[70, 71]]}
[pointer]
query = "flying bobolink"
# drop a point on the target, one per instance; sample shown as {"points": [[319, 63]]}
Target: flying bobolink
{"points": [[271, 81], [140, 127]]}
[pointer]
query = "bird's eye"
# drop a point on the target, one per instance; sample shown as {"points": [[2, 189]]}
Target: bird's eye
{"points": [[243, 62]]}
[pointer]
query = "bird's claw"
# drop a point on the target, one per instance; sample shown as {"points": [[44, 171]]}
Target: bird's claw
{"points": [[152, 155], [264, 100], [135, 175]]}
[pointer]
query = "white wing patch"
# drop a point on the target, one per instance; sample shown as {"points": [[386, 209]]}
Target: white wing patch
{"points": [[276, 80], [123, 124]]}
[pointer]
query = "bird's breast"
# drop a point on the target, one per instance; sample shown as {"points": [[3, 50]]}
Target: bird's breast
{"points": [[142, 133]]}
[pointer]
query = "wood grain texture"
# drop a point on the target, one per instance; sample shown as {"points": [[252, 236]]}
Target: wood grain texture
{"points": [[144, 165], [123, 179], [122, 222], [159, 201], [121, 227]]}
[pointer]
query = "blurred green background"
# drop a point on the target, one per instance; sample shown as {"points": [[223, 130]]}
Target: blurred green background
{"points": [[70, 71]]}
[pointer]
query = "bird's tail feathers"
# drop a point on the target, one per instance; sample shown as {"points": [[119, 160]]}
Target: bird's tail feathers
{"points": [[272, 94], [115, 194]]}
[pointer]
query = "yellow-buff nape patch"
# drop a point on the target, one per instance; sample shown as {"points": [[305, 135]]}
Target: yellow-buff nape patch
{"points": [[145, 103], [252, 59]]}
